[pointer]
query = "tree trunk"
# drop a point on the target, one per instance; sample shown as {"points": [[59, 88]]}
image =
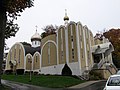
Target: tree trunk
{"points": [[2, 32]]}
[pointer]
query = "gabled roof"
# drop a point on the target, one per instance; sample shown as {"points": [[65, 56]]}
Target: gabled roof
{"points": [[102, 48], [31, 50]]}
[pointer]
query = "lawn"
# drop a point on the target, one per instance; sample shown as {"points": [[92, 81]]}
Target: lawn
{"points": [[45, 80]]}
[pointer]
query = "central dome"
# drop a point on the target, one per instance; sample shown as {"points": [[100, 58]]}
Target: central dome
{"points": [[36, 36]]}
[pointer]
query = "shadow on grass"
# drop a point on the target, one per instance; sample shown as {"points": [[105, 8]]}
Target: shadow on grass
{"points": [[3, 87]]}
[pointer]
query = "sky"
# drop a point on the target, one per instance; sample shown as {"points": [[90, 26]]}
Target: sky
{"points": [[96, 14]]}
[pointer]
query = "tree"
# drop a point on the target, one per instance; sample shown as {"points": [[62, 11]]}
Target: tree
{"points": [[48, 30], [11, 9], [11, 29], [114, 37]]}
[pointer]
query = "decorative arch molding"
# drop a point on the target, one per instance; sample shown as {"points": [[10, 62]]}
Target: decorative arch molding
{"points": [[60, 28], [18, 43], [37, 53], [79, 23], [22, 47], [71, 23], [26, 60], [85, 27], [49, 41]]}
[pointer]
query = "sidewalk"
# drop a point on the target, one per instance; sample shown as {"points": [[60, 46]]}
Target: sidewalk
{"points": [[21, 86]]}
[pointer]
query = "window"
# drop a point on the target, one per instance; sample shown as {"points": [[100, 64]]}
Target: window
{"points": [[19, 55], [114, 81], [62, 54], [49, 53], [88, 55], [82, 53], [10, 55], [35, 42], [71, 30], [15, 54], [36, 58], [72, 54], [72, 38]]}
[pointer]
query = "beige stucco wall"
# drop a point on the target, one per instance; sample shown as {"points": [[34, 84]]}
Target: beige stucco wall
{"points": [[61, 45], [28, 63], [82, 47], [36, 61], [49, 37], [49, 51], [97, 41], [72, 26], [16, 53]]}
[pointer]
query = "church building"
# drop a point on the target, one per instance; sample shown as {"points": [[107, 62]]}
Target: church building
{"points": [[73, 46]]}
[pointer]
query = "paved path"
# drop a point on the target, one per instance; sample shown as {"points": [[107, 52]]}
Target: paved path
{"points": [[20, 86]]}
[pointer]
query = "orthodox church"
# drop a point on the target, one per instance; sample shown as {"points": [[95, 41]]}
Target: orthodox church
{"points": [[73, 46]]}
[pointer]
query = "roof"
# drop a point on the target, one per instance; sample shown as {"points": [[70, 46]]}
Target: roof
{"points": [[31, 50], [102, 48], [115, 75]]}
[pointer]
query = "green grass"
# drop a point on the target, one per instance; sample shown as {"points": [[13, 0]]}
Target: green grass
{"points": [[44, 80]]}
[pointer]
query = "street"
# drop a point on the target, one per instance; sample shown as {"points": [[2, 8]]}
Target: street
{"points": [[94, 86]]}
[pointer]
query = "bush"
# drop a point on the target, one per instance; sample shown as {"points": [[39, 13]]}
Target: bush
{"points": [[9, 72], [94, 75], [20, 71]]}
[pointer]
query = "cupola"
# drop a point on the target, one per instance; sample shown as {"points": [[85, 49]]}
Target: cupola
{"points": [[36, 39], [66, 18]]}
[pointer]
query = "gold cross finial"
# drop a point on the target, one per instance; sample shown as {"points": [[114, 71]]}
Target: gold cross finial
{"points": [[65, 12], [36, 27]]}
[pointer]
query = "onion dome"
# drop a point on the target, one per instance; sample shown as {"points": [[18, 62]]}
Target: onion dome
{"points": [[36, 36], [66, 17]]}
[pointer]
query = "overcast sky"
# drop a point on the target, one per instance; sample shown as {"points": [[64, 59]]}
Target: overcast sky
{"points": [[96, 14]]}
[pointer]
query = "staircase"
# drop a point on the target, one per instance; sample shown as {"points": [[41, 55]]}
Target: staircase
{"points": [[100, 64]]}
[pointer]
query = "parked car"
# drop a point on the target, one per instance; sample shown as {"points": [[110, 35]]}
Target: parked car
{"points": [[113, 83], [118, 72]]}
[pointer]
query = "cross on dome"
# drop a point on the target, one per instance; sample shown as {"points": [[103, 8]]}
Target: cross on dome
{"points": [[36, 28]]}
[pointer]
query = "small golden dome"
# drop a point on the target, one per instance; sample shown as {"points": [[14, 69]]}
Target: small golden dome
{"points": [[66, 18]]}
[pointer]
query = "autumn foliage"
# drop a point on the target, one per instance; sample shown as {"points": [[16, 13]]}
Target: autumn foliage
{"points": [[114, 37], [13, 7]]}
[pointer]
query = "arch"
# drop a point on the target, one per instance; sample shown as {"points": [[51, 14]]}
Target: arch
{"points": [[28, 64], [52, 57], [10, 53], [71, 22], [60, 28], [46, 43], [66, 71], [36, 64], [61, 45]]}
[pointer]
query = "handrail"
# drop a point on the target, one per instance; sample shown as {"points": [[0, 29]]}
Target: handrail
{"points": [[101, 63]]}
